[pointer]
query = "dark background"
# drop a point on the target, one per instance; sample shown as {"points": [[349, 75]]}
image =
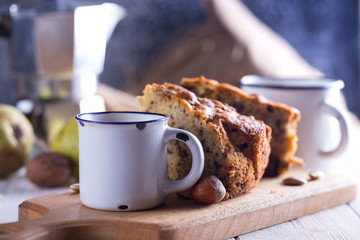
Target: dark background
{"points": [[324, 32]]}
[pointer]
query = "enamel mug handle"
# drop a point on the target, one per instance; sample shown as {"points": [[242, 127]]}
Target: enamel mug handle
{"points": [[344, 124], [197, 160]]}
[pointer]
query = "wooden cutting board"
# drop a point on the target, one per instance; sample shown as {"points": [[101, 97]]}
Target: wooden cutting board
{"points": [[62, 216]]}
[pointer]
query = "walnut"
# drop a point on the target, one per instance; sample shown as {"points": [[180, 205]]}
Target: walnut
{"points": [[49, 170]]}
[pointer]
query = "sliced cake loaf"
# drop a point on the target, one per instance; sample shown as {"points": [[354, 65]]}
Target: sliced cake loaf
{"points": [[236, 147], [281, 118]]}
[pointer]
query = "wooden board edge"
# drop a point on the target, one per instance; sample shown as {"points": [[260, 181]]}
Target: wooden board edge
{"points": [[35, 208], [246, 223], [29, 210]]}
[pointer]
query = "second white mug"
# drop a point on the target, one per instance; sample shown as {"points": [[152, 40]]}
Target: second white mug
{"points": [[323, 130]]}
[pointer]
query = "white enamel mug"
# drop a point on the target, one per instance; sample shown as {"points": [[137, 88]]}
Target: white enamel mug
{"points": [[122, 160], [323, 130]]}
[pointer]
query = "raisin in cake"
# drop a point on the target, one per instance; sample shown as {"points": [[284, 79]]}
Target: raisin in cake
{"points": [[282, 119], [236, 147]]}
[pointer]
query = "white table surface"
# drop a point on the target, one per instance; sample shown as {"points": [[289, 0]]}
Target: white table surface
{"points": [[341, 222]]}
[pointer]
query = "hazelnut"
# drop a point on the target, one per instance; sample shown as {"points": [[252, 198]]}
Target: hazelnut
{"points": [[49, 170], [208, 190]]}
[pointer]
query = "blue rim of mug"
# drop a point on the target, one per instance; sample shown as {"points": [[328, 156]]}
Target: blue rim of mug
{"points": [[291, 83], [163, 117]]}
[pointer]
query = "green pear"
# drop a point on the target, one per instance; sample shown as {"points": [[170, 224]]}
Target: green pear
{"points": [[16, 139], [66, 142]]}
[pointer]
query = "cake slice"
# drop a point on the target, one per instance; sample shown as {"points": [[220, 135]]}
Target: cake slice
{"points": [[281, 118], [236, 147]]}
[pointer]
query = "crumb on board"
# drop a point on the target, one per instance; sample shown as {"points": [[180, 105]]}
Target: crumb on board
{"points": [[273, 191]]}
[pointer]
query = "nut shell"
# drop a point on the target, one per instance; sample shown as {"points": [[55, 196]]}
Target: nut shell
{"points": [[208, 190], [49, 170], [294, 181], [75, 187], [315, 175]]}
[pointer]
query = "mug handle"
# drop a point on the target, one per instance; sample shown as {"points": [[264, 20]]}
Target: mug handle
{"points": [[197, 160], [344, 124]]}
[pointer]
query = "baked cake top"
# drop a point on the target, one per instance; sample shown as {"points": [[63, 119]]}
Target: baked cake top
{"points": [[209, 109]]}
